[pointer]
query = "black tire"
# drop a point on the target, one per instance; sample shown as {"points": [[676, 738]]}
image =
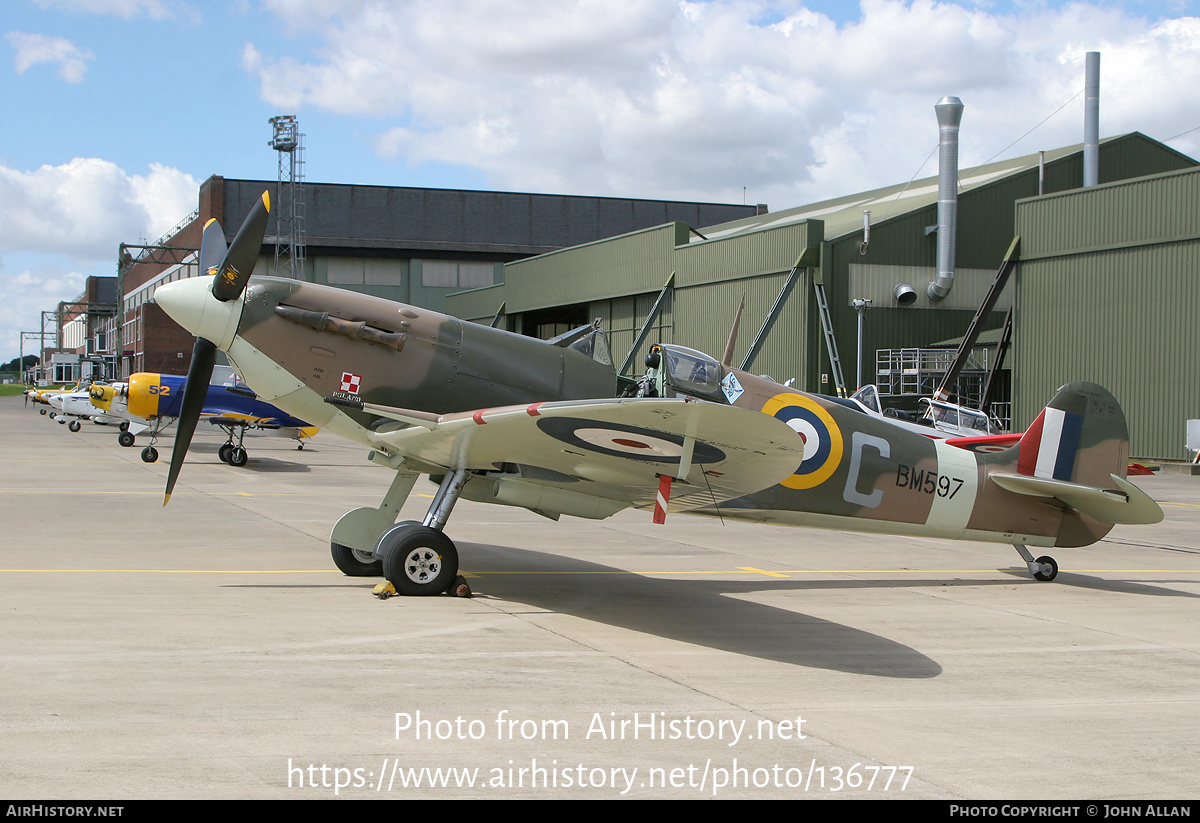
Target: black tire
{"points": [[149, 455], [238, 457], [74, 425], [124, 425], [355, 563], [53, 415], [1046, 560], [418, 560], [224, 452], [41, 411], [126, 439]]}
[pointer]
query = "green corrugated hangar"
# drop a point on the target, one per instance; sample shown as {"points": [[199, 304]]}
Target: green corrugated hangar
{"points": [[1107, 291], [824, 253]]}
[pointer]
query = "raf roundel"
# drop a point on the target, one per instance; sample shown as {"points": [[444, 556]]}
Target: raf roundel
{"points": [[821, 436], [631, 442]]}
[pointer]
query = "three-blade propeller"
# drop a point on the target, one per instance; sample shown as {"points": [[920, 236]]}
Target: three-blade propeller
{"points": [[230, 269]]}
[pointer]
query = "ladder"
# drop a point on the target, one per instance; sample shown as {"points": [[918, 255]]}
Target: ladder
{"points": [[830, 343]]}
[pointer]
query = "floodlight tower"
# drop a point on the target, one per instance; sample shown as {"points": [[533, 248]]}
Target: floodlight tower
{"points": [[288, 142]]}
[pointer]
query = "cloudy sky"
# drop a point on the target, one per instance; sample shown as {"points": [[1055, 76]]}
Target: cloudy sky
{"points": [[114, 111]]}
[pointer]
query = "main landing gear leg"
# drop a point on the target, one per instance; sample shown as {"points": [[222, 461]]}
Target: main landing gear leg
{"points": [[418, 559], [231, 453], [1044, 568], [356, 534], [149, 454]]}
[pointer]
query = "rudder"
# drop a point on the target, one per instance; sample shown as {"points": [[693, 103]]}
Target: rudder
{"points": [[1077, 452]]}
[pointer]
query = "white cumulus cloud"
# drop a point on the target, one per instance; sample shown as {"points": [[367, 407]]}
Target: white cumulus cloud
{"points": [[85, 208], [34, 49], [698, 99]]}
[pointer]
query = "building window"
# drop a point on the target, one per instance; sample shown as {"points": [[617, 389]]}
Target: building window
{"points": [[344, 271], [457, 274]]}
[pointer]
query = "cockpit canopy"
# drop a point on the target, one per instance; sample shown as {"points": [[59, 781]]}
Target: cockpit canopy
{"points": [[946, 415], [692, 372]]}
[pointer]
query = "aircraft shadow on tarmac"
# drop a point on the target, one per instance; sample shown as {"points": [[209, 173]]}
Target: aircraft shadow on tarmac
{"points": [[1155, 588], [696, 611], [710, 613], [689, 611]]}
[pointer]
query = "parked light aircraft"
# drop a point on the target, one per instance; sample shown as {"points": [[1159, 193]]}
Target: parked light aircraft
{"points": [[501, 418], [76, 406], [41, 396], [151, 402]]}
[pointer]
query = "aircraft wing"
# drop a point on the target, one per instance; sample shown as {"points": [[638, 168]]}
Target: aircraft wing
{"points": [[241, 420], [282, 427], [611, 449]]}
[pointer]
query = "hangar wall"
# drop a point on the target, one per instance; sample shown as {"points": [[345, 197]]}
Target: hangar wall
{"points": [[1107, 291], [619, 277]]}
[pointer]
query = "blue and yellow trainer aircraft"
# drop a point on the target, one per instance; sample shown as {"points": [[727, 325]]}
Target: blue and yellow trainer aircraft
{"points": [[151, 402]]}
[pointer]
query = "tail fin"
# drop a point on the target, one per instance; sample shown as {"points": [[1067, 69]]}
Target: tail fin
{"points": [[1077, 452]]}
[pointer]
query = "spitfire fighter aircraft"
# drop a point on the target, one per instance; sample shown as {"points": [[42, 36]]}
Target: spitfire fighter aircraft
{"points": [[151, 402], [501, 418]]}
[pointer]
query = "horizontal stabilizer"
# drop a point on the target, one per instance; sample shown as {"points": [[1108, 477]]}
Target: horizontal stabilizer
{"points": [[1124, 504]]}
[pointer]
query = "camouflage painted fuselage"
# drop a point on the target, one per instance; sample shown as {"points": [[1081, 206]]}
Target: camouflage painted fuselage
{"points": [[299, 343], [336, 343], [865, 474]]}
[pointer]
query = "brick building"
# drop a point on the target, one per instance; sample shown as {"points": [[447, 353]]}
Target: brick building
{"points": [[407, 244]]}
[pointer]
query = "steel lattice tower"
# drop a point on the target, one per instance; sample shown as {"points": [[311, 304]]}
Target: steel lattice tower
{"points": [[289, 197]]}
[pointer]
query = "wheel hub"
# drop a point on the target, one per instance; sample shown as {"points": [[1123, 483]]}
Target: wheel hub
{"points": [[422, 565]]}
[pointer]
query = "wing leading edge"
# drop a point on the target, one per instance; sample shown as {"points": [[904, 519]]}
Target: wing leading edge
{"points": [[616, 450]]}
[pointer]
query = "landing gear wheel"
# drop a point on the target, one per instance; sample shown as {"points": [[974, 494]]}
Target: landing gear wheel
{"points": [[74, 425], [149, 454], [53, 415], [418, 560], [125, 439], [224, 452], [354, 562], [238, 457], [124, 425], [41, 411], [1049, 568]]}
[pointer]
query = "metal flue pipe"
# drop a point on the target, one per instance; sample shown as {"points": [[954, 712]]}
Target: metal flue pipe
{"points": [[1091, 121], [949, 114]]}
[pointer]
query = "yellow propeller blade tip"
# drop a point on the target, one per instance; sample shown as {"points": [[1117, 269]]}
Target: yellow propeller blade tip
{"points": [[166, 499], [267, 200]]}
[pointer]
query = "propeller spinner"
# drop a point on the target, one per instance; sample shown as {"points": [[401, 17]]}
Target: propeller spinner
{"points": [[230, 269]]}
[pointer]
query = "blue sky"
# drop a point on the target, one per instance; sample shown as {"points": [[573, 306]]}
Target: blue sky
{"points": [[116, 110]]}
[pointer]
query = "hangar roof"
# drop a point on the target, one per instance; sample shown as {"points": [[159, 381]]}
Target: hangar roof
{"points": [[844, 215]]}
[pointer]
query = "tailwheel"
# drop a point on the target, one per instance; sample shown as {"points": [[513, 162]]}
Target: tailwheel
{"points": [[1044, 568], [1048, 570], [417, 560], [355, 562]]}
